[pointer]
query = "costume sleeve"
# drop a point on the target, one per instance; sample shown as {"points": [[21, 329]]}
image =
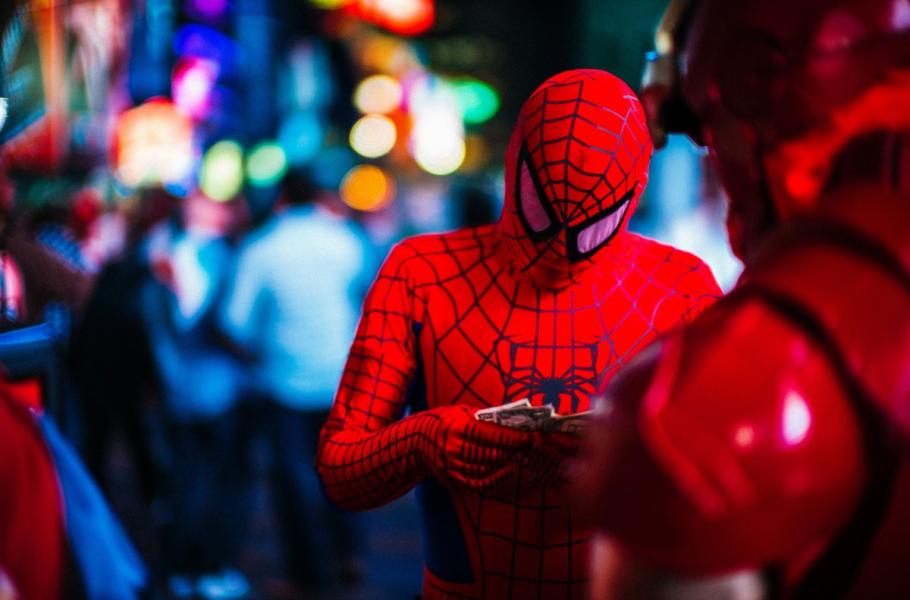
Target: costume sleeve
{"points": [[367, 456]]}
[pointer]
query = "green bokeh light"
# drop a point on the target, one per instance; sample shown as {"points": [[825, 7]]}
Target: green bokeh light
{"points": [[266, 164], [478, 101]]}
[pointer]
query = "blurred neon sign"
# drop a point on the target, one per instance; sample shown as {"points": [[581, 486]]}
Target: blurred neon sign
{"points": [[404, 17], [153, 143]]}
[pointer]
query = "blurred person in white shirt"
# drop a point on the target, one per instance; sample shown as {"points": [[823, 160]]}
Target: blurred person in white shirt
{"points": [[291, 309]]}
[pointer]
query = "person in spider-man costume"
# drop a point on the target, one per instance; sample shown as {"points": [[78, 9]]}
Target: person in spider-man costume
{"points": [[762, 450], [545, 304]]}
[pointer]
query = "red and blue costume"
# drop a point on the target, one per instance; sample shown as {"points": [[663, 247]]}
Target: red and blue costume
{"points": [[769, 437], [546, 304]]}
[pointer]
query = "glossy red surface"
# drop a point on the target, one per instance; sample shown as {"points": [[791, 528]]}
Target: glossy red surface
{"points": [[771, 434], [781, 89]]}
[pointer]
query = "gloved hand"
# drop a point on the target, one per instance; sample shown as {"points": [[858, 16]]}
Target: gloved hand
{"points": [[468, 452], [550, 457]]}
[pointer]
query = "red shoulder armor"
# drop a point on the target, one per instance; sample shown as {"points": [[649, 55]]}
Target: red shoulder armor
{"points": [[731, 444], [848, 272]]}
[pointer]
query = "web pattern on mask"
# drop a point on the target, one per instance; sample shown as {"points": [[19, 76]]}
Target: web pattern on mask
{"points": [[445, 323], [587, 152]]}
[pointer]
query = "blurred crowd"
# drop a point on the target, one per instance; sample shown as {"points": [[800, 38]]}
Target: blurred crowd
{"points": [[204, 343]]}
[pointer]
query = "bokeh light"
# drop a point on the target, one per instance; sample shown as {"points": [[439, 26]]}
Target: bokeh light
{"points": [[367, 188], [222, 171], [210, 9], [379, 94], [404, 17], [478, 101], [330, 4], [426, 91], [386, 54], [201, 41], [442, 158], [153, 143], [437, 140], [192, 85], [373, 136], [266, 164]]}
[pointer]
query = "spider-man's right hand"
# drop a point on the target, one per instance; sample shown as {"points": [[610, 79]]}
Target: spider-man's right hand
{"points": [[471, 453], [363, 469]]}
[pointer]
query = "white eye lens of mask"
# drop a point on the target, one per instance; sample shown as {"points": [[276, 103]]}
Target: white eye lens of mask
{"points": [[597, 233], [4, 104], [531, 206]]}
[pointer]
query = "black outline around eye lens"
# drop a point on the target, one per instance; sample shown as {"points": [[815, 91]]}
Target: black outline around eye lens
{"points": [[553, 227], [573, 232]]}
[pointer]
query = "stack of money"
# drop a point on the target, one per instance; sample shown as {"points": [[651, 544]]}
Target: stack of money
{"points": [[522, 415]]}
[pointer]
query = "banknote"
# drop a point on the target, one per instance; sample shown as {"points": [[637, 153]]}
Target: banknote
{"points": [[526, 417]]}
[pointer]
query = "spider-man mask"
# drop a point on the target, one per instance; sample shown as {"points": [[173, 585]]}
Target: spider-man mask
{"points": [[575, 167]]}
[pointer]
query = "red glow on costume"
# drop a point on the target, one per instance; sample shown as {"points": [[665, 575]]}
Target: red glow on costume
{"points": [[547, 304]]}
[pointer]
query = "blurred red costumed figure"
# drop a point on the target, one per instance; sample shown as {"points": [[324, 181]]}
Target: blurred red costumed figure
{"points": [[32, 540], [762, 449], [546, 305]]}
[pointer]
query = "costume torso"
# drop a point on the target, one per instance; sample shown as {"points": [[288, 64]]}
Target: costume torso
{"points": [[472, 333]]}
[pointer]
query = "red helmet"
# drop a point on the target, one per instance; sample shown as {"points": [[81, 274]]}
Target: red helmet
{"points": [[784, 92], [575, 167]]}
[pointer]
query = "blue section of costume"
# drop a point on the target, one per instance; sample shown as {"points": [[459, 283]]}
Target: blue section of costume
{"points": [[445, 552]]}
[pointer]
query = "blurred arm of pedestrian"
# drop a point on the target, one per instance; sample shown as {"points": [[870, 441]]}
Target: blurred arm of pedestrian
{"points": [[242, 305]]}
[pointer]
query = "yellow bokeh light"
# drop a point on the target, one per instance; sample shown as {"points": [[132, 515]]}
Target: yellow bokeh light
{"points": [[441, 159], [367, 188], [329, 4], [373, 136], [437, 141], [377, 94], [222, 171]]}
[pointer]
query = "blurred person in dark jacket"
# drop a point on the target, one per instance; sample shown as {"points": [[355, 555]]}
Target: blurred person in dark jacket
{"points": [[198, 382], [291, 309]]}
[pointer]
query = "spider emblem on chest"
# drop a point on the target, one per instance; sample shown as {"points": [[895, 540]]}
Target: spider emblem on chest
{"points": [[563, 376]]}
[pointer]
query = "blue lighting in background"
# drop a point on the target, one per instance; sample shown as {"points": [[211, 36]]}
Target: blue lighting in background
{"points": [[256, 28], [149, 65], [209, 10], [179, 189], [201, 41], [301, 137], [329, 167]]}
